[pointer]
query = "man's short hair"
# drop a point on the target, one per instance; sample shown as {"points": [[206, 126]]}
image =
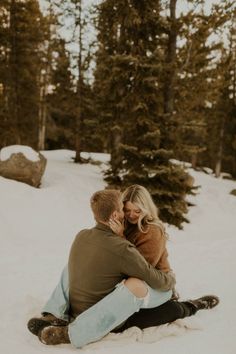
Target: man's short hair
{"points": [[104, 203]]}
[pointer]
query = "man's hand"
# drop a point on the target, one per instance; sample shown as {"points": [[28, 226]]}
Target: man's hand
{"points": [[117, 227]]}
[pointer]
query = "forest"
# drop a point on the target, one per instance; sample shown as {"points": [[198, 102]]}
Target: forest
{"points": [[150, 82]]}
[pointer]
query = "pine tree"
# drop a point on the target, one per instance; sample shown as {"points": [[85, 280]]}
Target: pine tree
{"points": [[222, 123], [136, 104], [74, 16], [61, 100], [214, 89], [67, 102], [22, 62], [196, 86], [49, 27], [109, 130]]}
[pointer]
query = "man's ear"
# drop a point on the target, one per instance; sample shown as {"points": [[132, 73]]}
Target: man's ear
{"points": [[114, 215]]}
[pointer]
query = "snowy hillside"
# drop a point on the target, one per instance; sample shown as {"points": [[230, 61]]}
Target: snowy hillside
{"points": [[37, 227]]}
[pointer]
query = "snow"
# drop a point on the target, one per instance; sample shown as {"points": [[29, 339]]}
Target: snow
{"points": [[27, 151], [37, 227]]}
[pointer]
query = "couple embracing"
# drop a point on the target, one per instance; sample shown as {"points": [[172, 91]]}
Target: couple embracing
{"points": [[118, 275]]}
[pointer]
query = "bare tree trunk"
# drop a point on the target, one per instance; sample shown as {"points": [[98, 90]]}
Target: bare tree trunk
{"points": [[13, 84], [44, 82], [42, 113], [234, 84], [194, 159], [219, 155], [79, 123], [169, 92], [116, 139], [234, 70]]}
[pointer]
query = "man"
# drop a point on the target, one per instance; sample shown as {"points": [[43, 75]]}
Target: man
{"points": [[111, 286]]}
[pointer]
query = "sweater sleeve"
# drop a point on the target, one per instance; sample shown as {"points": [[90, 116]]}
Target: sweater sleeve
{"points": [[152, 245], [133, 264]]}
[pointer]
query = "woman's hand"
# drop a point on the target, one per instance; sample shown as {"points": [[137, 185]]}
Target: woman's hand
{"points": [[175, 294], [117, 227]]}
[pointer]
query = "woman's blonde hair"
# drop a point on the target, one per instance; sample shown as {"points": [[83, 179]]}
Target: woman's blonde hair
{"points": [[140, 196]]}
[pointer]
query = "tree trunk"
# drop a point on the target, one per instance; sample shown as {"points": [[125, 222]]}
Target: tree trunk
{"points": [[42, 114], [169, 92], [44, 82], [219, 154], [13, 84], [194, 159], [116, 158], [79, 123]]}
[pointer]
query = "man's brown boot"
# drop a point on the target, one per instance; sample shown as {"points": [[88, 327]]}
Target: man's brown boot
{"points": [[53, 335], [36, 324]]}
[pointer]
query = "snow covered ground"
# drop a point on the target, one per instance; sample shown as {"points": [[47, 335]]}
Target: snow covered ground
{"points": [[37, 227]]}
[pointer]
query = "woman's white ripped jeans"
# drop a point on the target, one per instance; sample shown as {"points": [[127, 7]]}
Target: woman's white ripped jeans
{"points": [[153, 298], [111, 312]]}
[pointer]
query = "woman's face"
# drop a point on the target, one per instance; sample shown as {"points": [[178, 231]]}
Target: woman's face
{"points": [[132, 212]]}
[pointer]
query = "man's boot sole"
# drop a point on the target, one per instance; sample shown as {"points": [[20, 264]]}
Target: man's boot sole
{"points": [[35, 325], [54, 335]]}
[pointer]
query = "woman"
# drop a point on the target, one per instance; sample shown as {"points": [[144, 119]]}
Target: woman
{"points": [[142, 227]]}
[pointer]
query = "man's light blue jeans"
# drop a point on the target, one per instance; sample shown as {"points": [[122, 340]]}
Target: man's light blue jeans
{"points": [[104, 316]]}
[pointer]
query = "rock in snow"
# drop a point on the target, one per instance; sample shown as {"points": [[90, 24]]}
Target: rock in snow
{"points": [[23, 164]]}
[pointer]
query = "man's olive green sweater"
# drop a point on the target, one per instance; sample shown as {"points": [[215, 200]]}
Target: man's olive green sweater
{"points": [[99, 259]]}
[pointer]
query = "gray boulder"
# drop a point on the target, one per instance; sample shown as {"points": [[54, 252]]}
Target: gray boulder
{"points": [[20, 168]]}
